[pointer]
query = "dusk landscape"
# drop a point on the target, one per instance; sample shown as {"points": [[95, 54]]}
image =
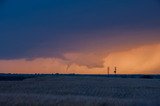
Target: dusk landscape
{"points": [[79, 52]]}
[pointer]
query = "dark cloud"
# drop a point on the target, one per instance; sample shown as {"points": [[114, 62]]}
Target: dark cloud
{"points": [[2, 2], [50, 28]]}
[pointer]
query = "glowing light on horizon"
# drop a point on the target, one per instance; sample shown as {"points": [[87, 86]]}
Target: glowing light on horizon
{"points": [[143, 59]]}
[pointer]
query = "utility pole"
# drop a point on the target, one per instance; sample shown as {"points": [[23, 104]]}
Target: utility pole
{"points": [[115, 70], [108, 69]]}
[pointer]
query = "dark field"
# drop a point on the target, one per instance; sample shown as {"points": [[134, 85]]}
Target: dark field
{"points": [[79, 90]]}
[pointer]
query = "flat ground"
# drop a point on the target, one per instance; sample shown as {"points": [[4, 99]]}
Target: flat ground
{"points": [[80, 91]]}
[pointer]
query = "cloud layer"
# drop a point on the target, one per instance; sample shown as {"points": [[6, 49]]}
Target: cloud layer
{"points": [[46, 36], [51, 28], [142, 59]]}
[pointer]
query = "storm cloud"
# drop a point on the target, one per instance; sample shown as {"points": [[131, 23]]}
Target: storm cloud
{"points": [[31, 29]]}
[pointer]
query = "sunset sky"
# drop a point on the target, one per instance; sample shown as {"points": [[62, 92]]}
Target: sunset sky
{"points": [[47, 36]]}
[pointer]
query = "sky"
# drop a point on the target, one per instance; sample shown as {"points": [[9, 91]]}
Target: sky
{"points": [[87, 36]]}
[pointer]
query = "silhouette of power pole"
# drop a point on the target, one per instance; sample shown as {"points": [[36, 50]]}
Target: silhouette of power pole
{"points": [[108, 69], [115, 70]]}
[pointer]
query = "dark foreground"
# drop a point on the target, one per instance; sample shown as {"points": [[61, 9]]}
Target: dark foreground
{"points": [[77, 90]]}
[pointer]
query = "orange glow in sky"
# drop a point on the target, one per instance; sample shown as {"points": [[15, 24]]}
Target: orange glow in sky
{"points": [[139, 60]]}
